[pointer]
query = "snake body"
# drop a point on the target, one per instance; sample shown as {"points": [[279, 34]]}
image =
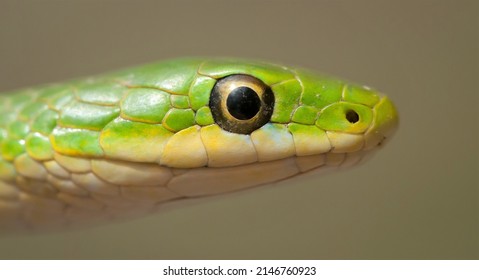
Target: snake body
{"points": [[124, 143]]}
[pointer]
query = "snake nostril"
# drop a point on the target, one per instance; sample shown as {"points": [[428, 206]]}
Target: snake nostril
{"points": [[352, 116]]}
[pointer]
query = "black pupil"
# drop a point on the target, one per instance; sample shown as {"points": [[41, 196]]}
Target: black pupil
{"points": [[243, 103], [352, 116]]}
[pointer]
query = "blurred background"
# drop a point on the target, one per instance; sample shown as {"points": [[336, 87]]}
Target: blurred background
{"points": [[416, 199]]}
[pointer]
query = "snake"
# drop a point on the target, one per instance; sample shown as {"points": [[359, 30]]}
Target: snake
{"points": [[126, 143]]}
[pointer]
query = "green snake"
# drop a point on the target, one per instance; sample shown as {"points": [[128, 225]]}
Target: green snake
{"points": [[124, 144]]}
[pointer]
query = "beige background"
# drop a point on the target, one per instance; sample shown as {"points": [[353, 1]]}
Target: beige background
{"points": [[416, 199]]}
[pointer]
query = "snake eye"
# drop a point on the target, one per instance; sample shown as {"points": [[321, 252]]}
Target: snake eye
{"points": [[241, 103]]}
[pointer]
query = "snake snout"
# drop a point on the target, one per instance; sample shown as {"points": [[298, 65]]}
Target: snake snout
{"points": [[385, 124]]}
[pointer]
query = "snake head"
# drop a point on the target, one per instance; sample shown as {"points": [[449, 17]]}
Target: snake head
{"points": [[125, 143]]}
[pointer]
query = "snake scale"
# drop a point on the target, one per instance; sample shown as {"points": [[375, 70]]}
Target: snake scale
{"points": [[122, 144]]}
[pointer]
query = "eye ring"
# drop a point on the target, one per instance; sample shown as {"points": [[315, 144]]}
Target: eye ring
{"points": [[241, 103]]}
